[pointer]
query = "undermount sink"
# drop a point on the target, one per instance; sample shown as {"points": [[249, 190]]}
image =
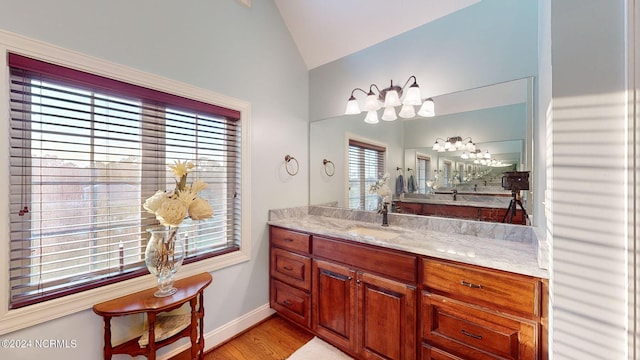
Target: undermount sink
{"points": [[375, 233]]}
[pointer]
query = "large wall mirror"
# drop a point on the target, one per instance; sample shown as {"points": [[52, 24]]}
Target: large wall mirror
{"points": [[498, 118]]}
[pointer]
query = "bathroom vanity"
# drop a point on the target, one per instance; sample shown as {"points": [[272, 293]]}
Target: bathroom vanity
{"points": [[469, 206], [409, 291]]}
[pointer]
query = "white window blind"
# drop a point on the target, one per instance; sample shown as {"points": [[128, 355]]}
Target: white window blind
{"points": [[366, 166], [85, 152], [424, 173]]}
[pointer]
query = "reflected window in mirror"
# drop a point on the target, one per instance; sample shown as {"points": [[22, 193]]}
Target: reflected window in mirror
{"points": [[447, 173], [366, 166], [423, 172]]}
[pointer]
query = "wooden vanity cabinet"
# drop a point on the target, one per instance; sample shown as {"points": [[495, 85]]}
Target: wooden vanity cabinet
{"points": [[364, 299], [470, 312], [377, 303], [290, 274], [489, 214]]}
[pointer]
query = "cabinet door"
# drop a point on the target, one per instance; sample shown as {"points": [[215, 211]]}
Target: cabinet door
{"points": [[387, 311], [334, 303]]}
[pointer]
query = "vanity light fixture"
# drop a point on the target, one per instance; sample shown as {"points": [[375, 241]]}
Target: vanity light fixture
{"points": [[454, 143], [389, 98]]}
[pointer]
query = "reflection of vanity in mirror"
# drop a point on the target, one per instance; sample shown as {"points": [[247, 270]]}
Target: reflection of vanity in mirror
{"points": [[496, 118]]}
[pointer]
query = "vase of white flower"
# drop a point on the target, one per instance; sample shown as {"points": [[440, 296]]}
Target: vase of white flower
{"points": [[164, 256], [165, 251]]}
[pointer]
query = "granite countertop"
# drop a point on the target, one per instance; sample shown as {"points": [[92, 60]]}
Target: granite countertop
{"points": [[513, 256]]}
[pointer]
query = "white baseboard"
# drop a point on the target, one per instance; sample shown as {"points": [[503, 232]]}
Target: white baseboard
{"points": [[227, 331]]}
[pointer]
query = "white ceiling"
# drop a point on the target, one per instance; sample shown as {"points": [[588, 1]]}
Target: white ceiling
{"points": [[326, 30]]}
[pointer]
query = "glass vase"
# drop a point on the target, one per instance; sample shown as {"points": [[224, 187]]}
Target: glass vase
{"points": [[163, 256]]}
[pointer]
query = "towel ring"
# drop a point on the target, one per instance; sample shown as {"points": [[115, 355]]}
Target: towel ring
{"points": [[291, 165], [329, 167]]}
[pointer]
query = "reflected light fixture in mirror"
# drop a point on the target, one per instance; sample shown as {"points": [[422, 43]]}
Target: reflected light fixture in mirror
{"points": [[390, 98], [454, 143]]}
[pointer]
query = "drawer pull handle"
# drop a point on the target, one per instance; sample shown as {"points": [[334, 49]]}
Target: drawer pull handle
{"points": [[288, 268], [288, 239], [287, 303], [477, 337], [468, 284]]}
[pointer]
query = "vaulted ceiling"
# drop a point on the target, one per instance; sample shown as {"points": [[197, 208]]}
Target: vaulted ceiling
{"points": [[326, 30]]}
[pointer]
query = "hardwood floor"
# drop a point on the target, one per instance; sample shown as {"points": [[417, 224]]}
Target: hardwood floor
{"points": [[273, 339]]}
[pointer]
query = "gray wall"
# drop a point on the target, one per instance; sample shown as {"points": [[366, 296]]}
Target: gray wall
{"points": [[245, 53], [588, 168], [486, 43]]}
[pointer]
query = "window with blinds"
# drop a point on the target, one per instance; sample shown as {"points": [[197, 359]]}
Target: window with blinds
{"points": [[366, 166], [423, 173], [85, 153]]}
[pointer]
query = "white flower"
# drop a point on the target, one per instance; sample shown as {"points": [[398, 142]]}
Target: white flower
{"points": [[200, 209], [153, 203], [384, 190], [198, 185], [171, 213], [173, 206], [187, 197], [181, 168]]}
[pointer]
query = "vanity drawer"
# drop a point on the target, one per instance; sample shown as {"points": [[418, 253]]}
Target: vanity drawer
{"points": [[431, 353], [471, 333], [502, 291], [397, 265], [292, 268], [290, 302], [290, 240]]}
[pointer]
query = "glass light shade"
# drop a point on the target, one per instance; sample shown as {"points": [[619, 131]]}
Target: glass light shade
{"points": [[391, 99], [407, 112], [412, 97], [372, 103], [352, 107], [447, 145], [371, 118], [427, 109], [436, 146], [459, 144], [471, 147], [487, 155], [389, 114]]}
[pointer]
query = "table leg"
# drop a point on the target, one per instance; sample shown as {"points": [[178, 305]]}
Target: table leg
{"points": [[107, 338], [193, 328], [151, 319], [201, 321]]}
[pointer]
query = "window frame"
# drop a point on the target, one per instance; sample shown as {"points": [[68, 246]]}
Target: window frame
{"points": [[372, 144], [15, 319], [423, 176]]}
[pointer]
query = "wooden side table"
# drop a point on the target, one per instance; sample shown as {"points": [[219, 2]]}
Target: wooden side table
{"points": [[189, 290]]}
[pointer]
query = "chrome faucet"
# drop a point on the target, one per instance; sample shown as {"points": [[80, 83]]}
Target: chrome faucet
{"points": [[384, 210], [455, 194]]}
